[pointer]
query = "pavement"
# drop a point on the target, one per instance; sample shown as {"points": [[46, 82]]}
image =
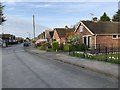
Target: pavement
{"points": [[105, 68]]}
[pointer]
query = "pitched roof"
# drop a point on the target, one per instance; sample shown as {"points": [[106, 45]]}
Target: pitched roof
{"points": [[51, 33], [63, 31], [101, 27]]}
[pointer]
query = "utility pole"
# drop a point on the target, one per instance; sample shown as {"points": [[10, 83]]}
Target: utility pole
{"points": [[34, 25]]}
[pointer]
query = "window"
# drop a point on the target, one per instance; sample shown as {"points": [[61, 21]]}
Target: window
{"points": [[85, 40], [119, 36], [81, 28], [114, 36]]}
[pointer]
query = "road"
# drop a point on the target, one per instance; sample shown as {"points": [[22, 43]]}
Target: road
{"points": [[21, 69]]}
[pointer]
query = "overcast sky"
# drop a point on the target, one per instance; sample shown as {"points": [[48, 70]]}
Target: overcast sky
{"points": [[51, 14]]}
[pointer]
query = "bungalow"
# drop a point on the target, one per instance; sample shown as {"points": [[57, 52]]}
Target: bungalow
{"points": [[47, 34], [99, 34], [7, 39], [59, 34], [41, 36]]}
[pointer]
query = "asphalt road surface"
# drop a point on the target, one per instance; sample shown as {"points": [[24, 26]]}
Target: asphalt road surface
{"points": [[21, 69]]}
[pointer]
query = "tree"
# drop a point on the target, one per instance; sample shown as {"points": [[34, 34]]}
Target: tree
{"points": [[72, 38], [2, 18], [104, 17], [116, 17], [68, 35]]}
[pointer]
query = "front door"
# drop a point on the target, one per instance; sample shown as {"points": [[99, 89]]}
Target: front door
{"points": [[89, 41], [85, 40]]}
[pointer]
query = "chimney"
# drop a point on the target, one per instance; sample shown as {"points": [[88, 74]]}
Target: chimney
{"points": [[94, 19], [66, 27]]}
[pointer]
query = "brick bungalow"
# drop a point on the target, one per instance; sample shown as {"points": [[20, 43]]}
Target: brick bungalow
{"points": [[59, 34], [99, 34], [47, 34]]}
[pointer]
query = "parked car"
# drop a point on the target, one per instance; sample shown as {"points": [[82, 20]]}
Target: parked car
{"points": [[26, 44], [0, 44]]}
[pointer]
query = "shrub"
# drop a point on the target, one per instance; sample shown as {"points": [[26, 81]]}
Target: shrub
{"points": [[44, 46], [81, 47], [55, 45], [67, 47], [77, 47], [39, 44], [33, 41]]}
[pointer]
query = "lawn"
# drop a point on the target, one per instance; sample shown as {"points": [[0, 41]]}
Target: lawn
{"points": [[110, 57]]}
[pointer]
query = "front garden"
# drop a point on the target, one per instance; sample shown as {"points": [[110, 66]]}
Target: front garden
{"points": [[110, 57], [79, 50]]}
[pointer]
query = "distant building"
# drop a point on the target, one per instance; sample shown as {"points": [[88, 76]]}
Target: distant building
{"points": [[59, 34], [47, 34], [7, 39]]}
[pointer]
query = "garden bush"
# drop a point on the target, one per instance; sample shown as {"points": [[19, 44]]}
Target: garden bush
{"points": [[44, 46], [67, 47], [39, 44], [55, 45], [83, 47], [79, 47], [33, 41]]}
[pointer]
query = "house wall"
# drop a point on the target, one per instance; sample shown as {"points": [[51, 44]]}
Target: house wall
{"points": [[62, 40], [55, 36], [107, 41], [41, 36], [102, 40], [84, 33]]}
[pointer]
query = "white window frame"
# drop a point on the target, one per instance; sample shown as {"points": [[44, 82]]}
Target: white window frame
{"points": [[116, 37], [86, 39]]}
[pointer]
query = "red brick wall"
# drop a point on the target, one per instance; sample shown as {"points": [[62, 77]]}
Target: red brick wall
{"points": [[81, 34], [55, 36], [107, 40], [62, 40]]}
